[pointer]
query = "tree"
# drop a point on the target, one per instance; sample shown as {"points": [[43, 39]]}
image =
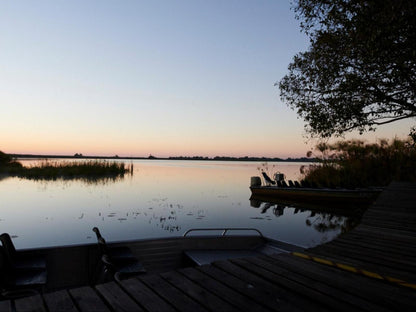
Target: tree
{"points": [[360, 69], [5, 159]]}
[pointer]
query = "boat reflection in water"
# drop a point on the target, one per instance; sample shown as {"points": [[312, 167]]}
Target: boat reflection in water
{"points": [[322, 218]]}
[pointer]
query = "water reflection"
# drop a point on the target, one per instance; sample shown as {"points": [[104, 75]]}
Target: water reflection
{"points": [[162, 198], [4, 177], [317, 217]]}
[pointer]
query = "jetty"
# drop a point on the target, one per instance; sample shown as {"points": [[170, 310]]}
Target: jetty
{"points": [[370, 268]]}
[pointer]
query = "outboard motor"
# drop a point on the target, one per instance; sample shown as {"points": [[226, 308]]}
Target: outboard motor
{"points": [[255, 181]]}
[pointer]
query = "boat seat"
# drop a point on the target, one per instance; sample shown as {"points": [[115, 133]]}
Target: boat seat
{"points": [[19, 260], [125, 265], [113, 252], [15, 283], [119, 252], [267, 179], [120, 269], [116, 262]]}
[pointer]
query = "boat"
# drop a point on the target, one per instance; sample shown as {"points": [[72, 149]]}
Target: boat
{"points": [[297, 193], [79, 265]]}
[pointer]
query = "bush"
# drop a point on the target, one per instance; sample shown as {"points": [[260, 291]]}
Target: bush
{"points": [[354, 163], [8, 165], [4, 159]]}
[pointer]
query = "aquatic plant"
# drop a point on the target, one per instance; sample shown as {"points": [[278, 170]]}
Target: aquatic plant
{"points": [[52, 170], [75, 169]]}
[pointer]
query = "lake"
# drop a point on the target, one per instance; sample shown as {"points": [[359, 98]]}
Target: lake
{"points": [[162, 198]]}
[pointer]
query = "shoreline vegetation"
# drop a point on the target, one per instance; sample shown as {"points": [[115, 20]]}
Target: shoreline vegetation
{"points": [[87, 170], [356, 164], [345, 164]]}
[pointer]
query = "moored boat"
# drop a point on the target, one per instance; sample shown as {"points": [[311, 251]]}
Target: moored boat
{"points": [[362, 196], [77, 265]]}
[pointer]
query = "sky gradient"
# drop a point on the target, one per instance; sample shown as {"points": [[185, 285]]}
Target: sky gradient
{"points": [[167, 78]]}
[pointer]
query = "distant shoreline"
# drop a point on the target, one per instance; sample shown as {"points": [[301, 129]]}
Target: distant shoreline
{"points": [[216, 158]]}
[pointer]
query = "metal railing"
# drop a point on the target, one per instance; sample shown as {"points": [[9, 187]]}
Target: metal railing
{"points": [[224, 230]]}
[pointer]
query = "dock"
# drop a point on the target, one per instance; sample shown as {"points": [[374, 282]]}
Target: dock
{"points": [[370, 268]]}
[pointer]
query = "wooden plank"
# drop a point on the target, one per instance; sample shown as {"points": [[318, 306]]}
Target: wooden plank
{"points": [[233, 297], [32, 303], [264, 297], [399, 251], [171, 294], [59, 301], [366, 232], [387, 250], [116, 298], [322, 298], [363, 264], [387, 233], [402, 202], [338, 294], [196, 292], [380, 242], [404, 216], [401, 226], [384, 259], [401, 220], [5, 306], [384, 294], [282, 298], [86, 299], [377, 229], [374, 245], [145, 296]]}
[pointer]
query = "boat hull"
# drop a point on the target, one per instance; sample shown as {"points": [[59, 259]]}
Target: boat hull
{"points": [[316, 195], [77, 265]]}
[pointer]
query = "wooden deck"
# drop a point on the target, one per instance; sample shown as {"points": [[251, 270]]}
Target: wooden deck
{"points": [[385, 241], [320, 279]]}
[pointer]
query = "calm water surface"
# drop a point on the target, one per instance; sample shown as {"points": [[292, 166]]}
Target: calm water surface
{"points": [[162, 198]]}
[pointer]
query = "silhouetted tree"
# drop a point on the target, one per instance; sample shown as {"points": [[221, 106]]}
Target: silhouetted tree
{"points": [[360, 69], [5, 158]]}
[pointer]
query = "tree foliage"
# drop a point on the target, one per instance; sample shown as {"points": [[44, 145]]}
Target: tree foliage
{"points": [[360, 69]]}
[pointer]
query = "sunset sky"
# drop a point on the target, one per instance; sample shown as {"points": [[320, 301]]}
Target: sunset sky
{"points": [[167, 78]]}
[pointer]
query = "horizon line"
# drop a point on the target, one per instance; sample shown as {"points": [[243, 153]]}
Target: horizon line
{"points": [[151, 157]]}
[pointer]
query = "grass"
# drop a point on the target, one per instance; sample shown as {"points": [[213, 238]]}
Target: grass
{"points": [[53, 170]]}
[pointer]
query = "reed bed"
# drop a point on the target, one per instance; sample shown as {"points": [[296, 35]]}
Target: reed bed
{"points": [[52, 170], [76, 169], [355, 163]]}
